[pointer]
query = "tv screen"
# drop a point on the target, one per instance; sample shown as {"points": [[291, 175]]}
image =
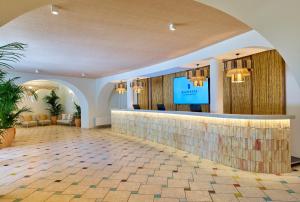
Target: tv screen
{"points": [[186, 93]]}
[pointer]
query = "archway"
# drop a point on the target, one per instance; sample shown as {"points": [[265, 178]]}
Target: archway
{"points": [[80, 96]]}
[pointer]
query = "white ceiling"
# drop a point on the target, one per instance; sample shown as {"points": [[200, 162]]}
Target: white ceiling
{"points": [[107, 37]]}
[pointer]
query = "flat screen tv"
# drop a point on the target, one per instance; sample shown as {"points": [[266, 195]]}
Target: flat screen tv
{"points": [[186, 93]]}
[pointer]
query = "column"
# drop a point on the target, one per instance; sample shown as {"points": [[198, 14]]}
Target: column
{"points": [[130, 96], [216, 86]]}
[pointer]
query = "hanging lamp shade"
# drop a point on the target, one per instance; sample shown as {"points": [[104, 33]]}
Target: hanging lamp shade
{"points": [[238, 69], [198, 75], [121, 87], [137, 85]]}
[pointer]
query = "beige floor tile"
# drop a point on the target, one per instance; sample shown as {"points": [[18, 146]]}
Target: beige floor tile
{"points": [[20, 193], [200, 186], [245, 199], [251, 192], [224, 189], [129, 186], [173, 193], [224, 198], [178, 183], [140, 198], [166, 200], [83, 200], [57, 186], [197, 196], [42, 183], [109, 183], [157, 180], [114, 196], [38, 196], [280, 195], [138, 178], [6, 200], [95, 193], [60, 198], [75, 189], [150, 189]]}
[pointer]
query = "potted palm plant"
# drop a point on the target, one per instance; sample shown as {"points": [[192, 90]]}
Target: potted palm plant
{"points": [[10, 93], [55, 108], [77, 115]]}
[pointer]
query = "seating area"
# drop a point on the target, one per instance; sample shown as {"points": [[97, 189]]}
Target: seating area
{"points": [[33, 120]]}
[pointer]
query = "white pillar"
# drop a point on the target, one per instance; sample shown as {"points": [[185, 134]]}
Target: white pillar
{"points": [[216, 86], [130, 96]]}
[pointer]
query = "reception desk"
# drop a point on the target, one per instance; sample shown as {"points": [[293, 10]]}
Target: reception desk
{"points": [[257, 143]]}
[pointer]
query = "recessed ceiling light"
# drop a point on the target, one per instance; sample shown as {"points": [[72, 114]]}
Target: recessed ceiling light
{"points": [[172, 27], [83, 74], [37, 71], [54, 10]]}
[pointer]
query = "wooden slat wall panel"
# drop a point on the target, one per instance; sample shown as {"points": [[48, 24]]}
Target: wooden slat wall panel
{"points": [[268, 83], [143, 97], [263, 92], [241, 97], [168, 91], [226, 95], [156, 91]]}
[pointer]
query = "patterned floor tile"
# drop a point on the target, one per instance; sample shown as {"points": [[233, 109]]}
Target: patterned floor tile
{"points": [[60, 163]]}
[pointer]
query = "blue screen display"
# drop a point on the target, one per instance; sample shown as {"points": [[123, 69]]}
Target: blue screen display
{"points": [[186, 93]]}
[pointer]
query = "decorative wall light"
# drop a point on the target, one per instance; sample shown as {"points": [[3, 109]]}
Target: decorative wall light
{"points": [[121, 87], [198, 75], [238, 69], [137, 85]]}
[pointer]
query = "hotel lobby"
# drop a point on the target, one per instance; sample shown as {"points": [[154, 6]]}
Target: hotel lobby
{"points": [[159, 101]]}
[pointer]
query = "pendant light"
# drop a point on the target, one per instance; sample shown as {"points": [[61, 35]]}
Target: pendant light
{"points": [[121, 87], [238, 69], [198, 75], [137, 85]]}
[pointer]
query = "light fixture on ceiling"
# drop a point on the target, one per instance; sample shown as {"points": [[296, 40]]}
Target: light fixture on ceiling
{"points": [[172, 27], [83, 74], [121, 87], [198, 75], [54, 10], [137, 85], [238, 69], [37, 71]]}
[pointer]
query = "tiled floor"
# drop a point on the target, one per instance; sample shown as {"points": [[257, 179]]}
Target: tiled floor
{"points": [[56, 163]]}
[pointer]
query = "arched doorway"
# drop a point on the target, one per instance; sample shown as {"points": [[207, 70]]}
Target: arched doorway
{"points": [[72, 93]]}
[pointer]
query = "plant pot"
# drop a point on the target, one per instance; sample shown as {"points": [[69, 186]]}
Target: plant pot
{"points": [[7, 137], [78, 122], [15, 131], [53, 120]]}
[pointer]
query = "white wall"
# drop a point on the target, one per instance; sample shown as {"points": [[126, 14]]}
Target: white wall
{"points": [[293, 108], [67, 99]]}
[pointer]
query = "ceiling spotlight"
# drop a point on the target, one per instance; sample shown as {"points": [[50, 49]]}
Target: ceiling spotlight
{"points": [[83, 74], [172, 27], [54, 10], [37, 71]]}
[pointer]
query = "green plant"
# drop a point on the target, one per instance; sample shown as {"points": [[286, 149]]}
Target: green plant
{"points": [[77, 113], [10, 95], [55, 108], [10, 92]]}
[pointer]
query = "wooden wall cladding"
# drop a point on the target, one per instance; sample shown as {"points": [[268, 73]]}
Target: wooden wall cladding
{"points": [[268, 83], [156, 91], [263, 92], [143, 97], [168, 91]]}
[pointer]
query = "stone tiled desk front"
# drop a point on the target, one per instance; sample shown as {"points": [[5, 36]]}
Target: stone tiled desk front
{"points": [[255, 143]]}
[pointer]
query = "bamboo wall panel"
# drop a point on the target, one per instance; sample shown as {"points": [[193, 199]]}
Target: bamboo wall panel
{"points": [[168, 91], [263, 92], [143, 97], [226, 95], [156, 91], [241, 97], [268, 83]]}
